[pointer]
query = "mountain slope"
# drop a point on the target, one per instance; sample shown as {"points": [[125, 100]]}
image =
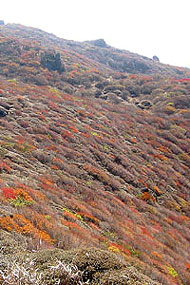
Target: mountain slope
{"points": [[98, 51], [90, 157]]}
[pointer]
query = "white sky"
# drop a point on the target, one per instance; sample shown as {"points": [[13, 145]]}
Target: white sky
{"points": [[147, 27]]}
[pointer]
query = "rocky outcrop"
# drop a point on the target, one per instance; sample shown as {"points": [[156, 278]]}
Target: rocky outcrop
{"points": [[52, 61], [155, 58], [99, 43], [3, 112]]}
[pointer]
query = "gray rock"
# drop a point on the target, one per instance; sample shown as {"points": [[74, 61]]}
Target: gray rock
{"points": [[3, 112]]}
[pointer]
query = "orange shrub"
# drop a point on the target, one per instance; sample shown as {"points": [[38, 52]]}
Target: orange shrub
{"points": [[160, 156], [187, 266], [20, 224], [23, 194], [170, 110], [157, 190], [147, 197]]}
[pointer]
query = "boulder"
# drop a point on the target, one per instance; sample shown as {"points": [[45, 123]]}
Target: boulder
{"points": [[155, 58], [3, 112], [112, 97], [145, 104]]}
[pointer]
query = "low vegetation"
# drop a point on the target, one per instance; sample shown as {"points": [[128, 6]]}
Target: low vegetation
{"points": [[94, 164]]}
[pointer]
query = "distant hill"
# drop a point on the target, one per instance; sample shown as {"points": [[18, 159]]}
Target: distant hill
{"points": [[94, 163], [99, 51]]}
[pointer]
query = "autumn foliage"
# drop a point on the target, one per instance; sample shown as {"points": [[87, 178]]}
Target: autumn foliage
{"points": [[79, 169]]}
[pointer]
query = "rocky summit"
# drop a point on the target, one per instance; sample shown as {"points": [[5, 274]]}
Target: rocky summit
{"points": [[94, 163]]}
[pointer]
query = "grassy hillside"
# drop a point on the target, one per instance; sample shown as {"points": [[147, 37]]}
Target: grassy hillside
{"points": [[94, 164]]}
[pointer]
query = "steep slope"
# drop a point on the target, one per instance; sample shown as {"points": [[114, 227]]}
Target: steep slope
{"points": [[94, 158]]}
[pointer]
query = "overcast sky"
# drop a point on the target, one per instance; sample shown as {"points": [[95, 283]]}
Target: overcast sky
{"points": [[147, 27]]}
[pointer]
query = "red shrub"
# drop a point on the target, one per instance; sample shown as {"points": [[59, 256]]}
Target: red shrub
{"points": [[9, 193]]}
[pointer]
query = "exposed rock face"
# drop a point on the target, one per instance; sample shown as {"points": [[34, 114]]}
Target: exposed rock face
{"points": [[52, 61], [155, 58], [99, 43]]}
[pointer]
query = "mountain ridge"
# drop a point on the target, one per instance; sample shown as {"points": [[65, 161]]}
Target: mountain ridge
{"points": [[69, 44]]}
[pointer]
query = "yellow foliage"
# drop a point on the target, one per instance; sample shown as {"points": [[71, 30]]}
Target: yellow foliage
{"points": [[114, 248]]}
